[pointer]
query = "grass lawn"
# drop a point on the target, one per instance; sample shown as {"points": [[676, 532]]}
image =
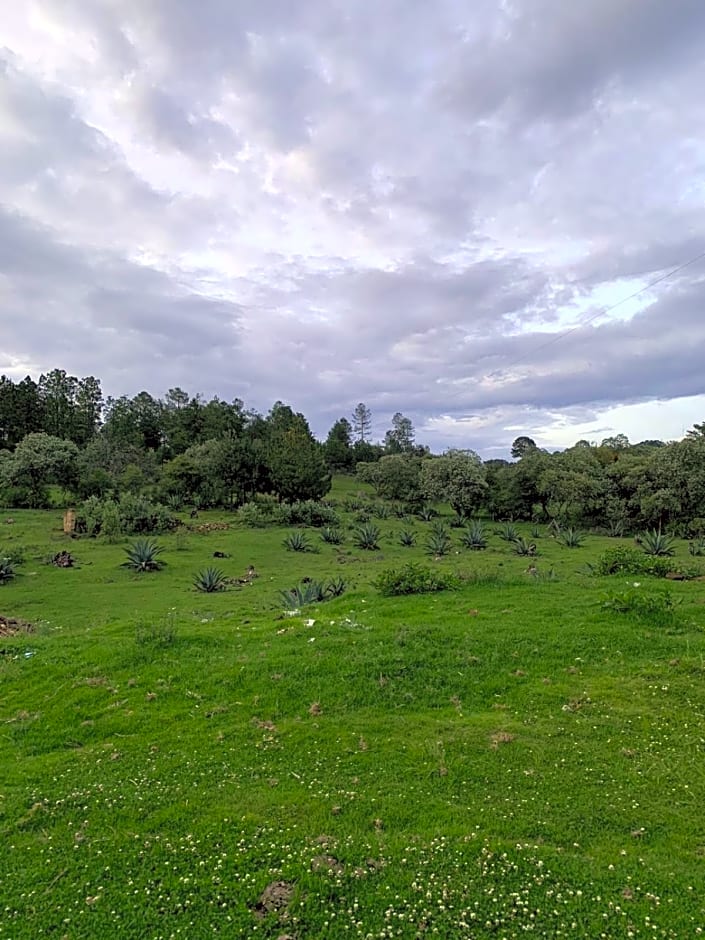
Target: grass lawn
{"points": [[508, 758]]}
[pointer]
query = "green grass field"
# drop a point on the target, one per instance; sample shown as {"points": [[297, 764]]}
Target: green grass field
{"points": [[506, 759]]}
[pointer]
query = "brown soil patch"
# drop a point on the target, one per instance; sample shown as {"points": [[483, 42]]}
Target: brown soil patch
{"points": [[275, 898], [11, 626]]}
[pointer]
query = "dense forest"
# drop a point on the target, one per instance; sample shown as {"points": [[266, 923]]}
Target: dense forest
{"points": [[61, 434]]}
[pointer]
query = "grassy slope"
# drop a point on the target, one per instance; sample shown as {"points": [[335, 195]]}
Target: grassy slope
{"points": [[505, 759]]}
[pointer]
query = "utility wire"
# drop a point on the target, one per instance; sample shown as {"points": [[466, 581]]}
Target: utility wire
{"points": [[595, 316]]}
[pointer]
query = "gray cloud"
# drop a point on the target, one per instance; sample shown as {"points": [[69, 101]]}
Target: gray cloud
{"points": [[326, 203]]}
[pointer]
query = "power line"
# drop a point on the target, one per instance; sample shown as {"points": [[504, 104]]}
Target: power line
{"points": [[595, 316]]}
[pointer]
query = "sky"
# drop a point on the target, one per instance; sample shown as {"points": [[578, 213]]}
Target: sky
{"points": [[404, 203]]}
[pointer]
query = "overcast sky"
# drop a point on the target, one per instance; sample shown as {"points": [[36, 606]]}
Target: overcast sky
{"points": [[394, 202]]}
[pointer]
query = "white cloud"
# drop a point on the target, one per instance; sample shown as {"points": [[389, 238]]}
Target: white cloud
{"points": [[396, 203]]}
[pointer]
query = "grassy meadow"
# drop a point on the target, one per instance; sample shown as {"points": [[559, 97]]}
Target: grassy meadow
{"points": [[508, 758]]}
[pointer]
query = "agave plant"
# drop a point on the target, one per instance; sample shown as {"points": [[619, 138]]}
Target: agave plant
{"points": [[656, 542], [697, 547], [427, 513], [143, 555], [508, 532], [297, 542], [523, 547], [407, 538], [474, 537], [367, 536], [308, 592], [210, 580], [571, 538], [439, 541], [7, 570], [459, 520], [535, 531], [381, 511], [336, 587], [615, 528], [331, 535]]}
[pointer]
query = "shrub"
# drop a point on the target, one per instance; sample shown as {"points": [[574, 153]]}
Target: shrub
{"points": [[413, 579], [625, 560], [331, 535], [142, 556], [474, 537], [255, 516], [131, 515], [210, 580], [571, 538], [309, 512], [367, 537], [111, 526], [297, 542], [7, 570], [657, 543], [658, 608], [407, 538]]}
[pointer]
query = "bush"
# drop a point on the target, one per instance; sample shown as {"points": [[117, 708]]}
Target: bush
{"points": [[624, 560], [250, 514], [658, 608], [309, 512], [131, 515], [413, 579]]}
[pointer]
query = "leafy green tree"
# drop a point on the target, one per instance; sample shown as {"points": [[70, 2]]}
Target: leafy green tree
{"points": [[521, 446], [458, 478], [400, 438], [39, 460], [296, 462], [338, 447], [394, 476]]}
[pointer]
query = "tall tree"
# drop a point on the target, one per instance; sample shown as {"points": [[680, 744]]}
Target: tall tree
{"points": [[338, 447], [362, 422], [296, 463], [521, 446], [400, 438]]}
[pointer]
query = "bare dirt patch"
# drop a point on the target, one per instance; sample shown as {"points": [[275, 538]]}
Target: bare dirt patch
{"points": [[13, 626]]}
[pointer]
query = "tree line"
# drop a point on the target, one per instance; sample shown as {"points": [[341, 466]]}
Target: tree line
{"points": [[182, 449]]}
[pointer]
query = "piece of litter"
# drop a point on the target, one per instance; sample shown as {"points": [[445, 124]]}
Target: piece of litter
{"points": [[309, 623]]}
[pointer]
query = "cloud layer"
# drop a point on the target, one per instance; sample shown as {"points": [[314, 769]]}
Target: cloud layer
{"points": [[326, 203]]}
